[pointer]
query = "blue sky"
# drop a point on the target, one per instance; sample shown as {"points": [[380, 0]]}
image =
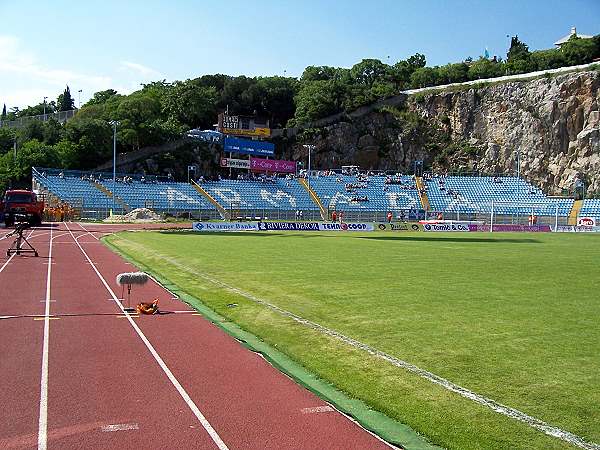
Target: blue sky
{"points": [[94, 45]]}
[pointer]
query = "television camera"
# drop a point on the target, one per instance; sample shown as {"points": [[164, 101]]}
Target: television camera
{"points": [[20, 244]]}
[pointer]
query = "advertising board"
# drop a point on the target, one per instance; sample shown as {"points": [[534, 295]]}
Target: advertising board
{"points": [[400, 227], [248, 147], [512, 228], [577, 229], [446, 227], [288, 226], [256, 132], [586, 222], [224, 226], [327, 226], [272, 165], [235, 163]]}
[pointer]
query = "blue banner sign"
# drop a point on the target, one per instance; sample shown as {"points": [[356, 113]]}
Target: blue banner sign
{"points": [[248, 147]]}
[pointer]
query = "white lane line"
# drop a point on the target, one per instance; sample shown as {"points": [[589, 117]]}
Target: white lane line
{"points": [[188, 400], [43, 421], [507, 411], [120, 427], [90, 232]]}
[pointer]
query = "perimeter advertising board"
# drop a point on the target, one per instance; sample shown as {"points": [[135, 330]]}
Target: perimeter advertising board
{"points": [[326, 226], [501, 227], [400, 227], [248, 147], [288, 226], [446, 227], [224, 226], [586, 222]]}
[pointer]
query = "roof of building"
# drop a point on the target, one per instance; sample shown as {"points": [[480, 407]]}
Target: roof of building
{"points": [[572, 33]]}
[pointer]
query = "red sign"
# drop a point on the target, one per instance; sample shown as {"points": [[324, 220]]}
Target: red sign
{"points": [[272, 165]]}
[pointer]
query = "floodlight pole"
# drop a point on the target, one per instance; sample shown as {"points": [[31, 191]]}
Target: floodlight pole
{"points": [[310, 148], [114, 123], [45, 108]]}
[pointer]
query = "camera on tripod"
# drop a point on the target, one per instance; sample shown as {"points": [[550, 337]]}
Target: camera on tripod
{"points": [[21, 224]]}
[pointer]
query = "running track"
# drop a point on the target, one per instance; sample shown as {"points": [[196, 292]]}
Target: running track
{"points": [[76, 372]]}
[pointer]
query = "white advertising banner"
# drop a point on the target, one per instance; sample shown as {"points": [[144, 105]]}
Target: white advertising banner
{"points": [[334, 226], [586, 222], [225, 226], [446, 227]]}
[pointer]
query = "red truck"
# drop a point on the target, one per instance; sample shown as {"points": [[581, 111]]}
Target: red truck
{"points": [[21, 205]]}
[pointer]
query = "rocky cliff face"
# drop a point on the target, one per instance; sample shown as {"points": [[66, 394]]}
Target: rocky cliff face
{"points": [[552, 124]]}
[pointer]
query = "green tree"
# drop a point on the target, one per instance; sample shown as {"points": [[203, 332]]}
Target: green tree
{"points": [[578, 51], [33, 153], [191, 104], [484, 68], [402, 70], [424, 77], [548, 59], [368, 71], [93, 138], [454, 73], [518, 58], [65, 102], [101, 97], [318, 73], [7, 139], [3, 117], [314, 101]]}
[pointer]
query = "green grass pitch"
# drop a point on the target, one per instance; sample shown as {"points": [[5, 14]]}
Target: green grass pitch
{"points": [[513, 317]]}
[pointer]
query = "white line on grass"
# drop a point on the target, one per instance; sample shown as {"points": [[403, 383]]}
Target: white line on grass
{"points": [[188, 400], [447, 384], [43, 419]]}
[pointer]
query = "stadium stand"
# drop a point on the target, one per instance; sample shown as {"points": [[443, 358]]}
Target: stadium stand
{"points": [[351, 193], [91, 194], [479, 194], [261, 198], [159, 196], [359, 196], [590, 208]]}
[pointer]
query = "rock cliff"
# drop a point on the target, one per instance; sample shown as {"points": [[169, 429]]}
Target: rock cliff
{"points": [[552, 124]]}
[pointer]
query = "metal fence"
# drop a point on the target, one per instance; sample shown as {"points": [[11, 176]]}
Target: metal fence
{"points": [[60, 116]]}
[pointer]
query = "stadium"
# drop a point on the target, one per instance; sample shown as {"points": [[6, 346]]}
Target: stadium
{"points": [[392, 255]]}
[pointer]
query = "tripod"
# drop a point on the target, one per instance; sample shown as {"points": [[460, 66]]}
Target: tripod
{"points": [[17, 245]]}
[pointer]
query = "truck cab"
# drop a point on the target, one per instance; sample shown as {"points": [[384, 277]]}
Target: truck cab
{"points": [[21, 205]]}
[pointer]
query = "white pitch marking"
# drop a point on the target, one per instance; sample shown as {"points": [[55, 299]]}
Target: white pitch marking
{"points": [[316, 409], [120, 427], [43, 419], [186, 397]]}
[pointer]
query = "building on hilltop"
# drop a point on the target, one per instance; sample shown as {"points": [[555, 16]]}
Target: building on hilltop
{"points": [[564, 39]]}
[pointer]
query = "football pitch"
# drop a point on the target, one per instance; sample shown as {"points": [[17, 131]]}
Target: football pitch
{"points": [[509, 317]]}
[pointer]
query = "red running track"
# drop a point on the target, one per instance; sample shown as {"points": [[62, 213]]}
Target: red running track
{"points": [[168, 381]]}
